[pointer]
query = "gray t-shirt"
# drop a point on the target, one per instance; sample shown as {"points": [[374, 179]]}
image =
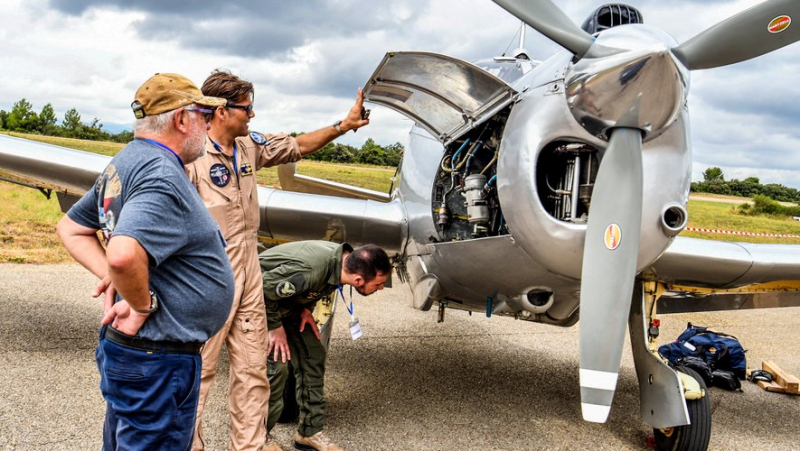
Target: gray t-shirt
{"points": [[144, 193]]}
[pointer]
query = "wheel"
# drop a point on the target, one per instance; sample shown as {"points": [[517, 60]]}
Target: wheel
{"points": [[693, 436], [291, 411]]}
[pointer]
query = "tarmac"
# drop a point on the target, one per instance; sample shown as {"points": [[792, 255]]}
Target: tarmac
{"points": [[409, 384]]}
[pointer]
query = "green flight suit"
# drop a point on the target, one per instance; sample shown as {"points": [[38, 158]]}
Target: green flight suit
{"points": [[295, 276]]}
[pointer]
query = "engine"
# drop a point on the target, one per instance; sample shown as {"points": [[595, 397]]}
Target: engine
{"points": [[565, 175], [464, 199], [465, 202]]}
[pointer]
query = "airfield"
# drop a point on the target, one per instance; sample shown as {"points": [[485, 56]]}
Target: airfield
{"points": [[411, 384]]}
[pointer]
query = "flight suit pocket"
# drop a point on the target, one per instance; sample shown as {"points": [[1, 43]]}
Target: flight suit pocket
{"points": [[255, 339]]}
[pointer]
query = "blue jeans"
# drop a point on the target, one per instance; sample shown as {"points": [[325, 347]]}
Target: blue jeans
{"points": [[151, 397]]}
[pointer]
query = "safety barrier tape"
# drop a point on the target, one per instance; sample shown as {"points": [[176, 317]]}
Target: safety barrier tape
{"points": [[732, 232]]}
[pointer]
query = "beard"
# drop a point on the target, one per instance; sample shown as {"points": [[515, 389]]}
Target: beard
{"points": [[195, 145]]}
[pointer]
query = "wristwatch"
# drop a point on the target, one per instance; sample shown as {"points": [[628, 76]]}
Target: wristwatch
{"points": [[337, 126], [153, 305]]}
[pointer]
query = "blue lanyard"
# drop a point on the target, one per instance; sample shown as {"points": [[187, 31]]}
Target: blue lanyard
{"points": [[349, 307], [219, 148], [152, 141]]}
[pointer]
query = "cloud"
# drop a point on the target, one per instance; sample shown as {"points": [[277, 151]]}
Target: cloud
{"points": [[253, 28]]}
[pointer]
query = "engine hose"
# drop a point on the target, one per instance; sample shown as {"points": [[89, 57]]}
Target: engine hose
{"points": [[468, 154], [471, 156], [490, 182], [491, 162], [452, 163], [458, 152]]}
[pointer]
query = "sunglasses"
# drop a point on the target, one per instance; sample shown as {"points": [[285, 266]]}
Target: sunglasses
{"points": [[207, 114], [247, 109]]}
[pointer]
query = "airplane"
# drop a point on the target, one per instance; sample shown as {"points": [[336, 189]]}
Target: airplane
{"points": [[543, 191]]}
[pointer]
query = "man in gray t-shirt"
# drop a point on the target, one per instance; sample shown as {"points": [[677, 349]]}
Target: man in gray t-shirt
{"points": [[144, 194], [167, 281]]}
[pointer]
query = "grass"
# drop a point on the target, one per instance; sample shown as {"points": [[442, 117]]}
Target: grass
{"points": [[28, 219], [28, 227], [377, 178], [101, 147], [723, 216]]}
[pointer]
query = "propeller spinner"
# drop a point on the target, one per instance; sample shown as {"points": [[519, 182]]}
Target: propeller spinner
{"points": [[613, 232]]}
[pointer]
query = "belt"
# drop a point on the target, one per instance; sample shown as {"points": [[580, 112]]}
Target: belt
{"points": [[144, 344]]}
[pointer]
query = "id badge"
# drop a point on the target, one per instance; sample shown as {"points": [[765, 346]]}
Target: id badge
{"points": [[355, 329]]}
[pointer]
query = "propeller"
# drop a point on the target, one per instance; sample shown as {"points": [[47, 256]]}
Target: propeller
{"points": [[611, 245], [609, 267], [754, 32], [546, 18]]}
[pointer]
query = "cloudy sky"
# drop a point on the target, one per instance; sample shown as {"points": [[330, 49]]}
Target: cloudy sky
{"points": [[308, 57]]}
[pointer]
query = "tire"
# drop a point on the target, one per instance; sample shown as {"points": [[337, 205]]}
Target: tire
{"points": [[694, 436]]}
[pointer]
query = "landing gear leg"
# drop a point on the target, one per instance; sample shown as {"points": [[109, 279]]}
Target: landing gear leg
{"points": [[676, 405], [660, 388]]}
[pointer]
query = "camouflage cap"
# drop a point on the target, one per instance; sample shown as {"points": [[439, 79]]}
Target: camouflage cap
{"points": [[166, 92]]}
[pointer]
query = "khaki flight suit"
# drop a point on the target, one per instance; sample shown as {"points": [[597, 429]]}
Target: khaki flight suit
{"points": [[232, 200], [297, 275]]}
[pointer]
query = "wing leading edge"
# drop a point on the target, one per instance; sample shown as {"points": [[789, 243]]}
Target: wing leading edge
{"points": [[703, 275], [285, 215]]}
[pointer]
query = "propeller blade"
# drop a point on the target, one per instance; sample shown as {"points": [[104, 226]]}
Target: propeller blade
{"points": [[609, 268], [546, 18], [761, 29]]}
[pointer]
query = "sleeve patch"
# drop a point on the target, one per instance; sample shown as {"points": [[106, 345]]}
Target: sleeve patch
{"points": [[285, 289], [258, 138]]}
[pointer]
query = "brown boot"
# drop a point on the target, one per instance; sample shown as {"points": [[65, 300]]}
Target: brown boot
{"points": [[318, 442], [271, 444]]}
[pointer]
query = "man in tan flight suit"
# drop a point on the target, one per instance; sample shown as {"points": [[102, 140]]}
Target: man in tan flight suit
{"points": [[225, 179]]}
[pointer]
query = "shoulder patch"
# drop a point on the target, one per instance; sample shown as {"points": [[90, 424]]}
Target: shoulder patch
{"points": [[258, 138], [285, 289], [219, 174]]}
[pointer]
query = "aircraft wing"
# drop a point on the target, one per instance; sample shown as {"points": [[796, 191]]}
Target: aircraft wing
{"points": [[292, 181], [285, 216], [68, 173], [704, 275], [292, 216]]}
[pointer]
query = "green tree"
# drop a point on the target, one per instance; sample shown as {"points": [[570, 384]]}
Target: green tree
{"points": [[394, 154], [745, 189], [72, 123], [94, 131], [31, 124], [3, 118], [371, 153], [713, 175], [124, 136], [47, 120], [22, 117], [337, 153], [777, 192]]}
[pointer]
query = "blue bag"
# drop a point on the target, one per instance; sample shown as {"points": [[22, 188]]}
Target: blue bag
{"points": [[721, 351]]}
